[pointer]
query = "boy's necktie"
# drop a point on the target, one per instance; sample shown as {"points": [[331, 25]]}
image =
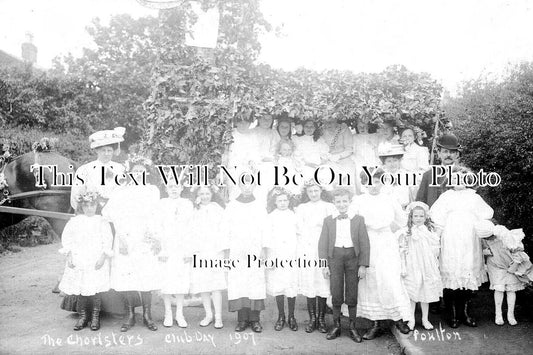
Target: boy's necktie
{"points": [[342, 216]]}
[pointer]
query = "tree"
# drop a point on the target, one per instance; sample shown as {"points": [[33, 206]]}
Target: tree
{"points": [[193, 101], [495, 123], [37, 100], [119, 70]]}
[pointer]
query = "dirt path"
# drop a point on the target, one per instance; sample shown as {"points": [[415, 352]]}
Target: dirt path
{"points": [[486, 338], [32, 322]]}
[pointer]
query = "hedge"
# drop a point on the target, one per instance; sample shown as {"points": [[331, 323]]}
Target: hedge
{"points": [[19, 140], [494, 120]]}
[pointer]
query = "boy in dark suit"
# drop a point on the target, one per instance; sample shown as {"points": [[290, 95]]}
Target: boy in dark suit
{"points": [[344, 243]]}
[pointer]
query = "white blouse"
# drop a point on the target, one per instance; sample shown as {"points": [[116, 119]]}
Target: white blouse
{"points": [[416, 158], [310, 151], [266, 140]]}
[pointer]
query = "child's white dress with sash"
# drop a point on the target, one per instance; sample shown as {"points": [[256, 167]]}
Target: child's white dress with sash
{"points": [[282, 244], [422, 279], [311, 216], [208, 244], [174, 217], [131, 209], [244, 228], [86, 239], [461, 255]]}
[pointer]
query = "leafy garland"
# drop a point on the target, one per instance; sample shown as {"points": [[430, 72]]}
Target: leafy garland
{"points": [[194, 99]]}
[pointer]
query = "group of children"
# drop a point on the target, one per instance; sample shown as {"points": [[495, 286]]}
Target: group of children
{"points": [[383, 256], [379, 274]]}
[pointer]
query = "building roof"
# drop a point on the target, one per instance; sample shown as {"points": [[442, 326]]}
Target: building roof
{"points": [[10, 60], [7, 59]]}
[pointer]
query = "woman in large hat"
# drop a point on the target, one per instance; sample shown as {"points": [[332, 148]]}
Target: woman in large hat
{"points": [[382, 294], [98, 175], [391, 157]]}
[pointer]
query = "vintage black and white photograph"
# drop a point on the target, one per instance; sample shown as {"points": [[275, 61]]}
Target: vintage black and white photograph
{"points": [[266, 177]]}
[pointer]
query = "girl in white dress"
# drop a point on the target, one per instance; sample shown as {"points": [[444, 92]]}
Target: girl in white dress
{"points": [[502, 247], [365, 146], [422, 246], [461, 257], [285, 158], [415, 159], [382, 294], [312, 284], [135, 267], [311, 149], [365, 149], [173, 218], [266, 141], [208, 244], [244, 227], [280, 236], [87, 243]]}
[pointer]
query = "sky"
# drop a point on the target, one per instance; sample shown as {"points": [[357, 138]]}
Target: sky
{"points": [[453, 40]]}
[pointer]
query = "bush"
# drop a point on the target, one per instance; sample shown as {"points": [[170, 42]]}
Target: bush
{"points": [[19, 141], [37, 100], [29, 232], [494, 120]]}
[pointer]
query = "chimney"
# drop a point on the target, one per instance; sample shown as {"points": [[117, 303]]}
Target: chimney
{"points": [[29, 50]]}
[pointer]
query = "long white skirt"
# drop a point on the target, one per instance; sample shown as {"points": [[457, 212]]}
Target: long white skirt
{"points": [[382, 294], [311, 281], [137, 271], [175, 276], [207, 279]]}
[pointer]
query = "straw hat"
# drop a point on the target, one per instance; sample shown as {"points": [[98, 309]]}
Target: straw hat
{"points": [[108, 137], [388, 149]]}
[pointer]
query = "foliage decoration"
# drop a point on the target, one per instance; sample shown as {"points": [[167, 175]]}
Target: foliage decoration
{"points": [[194, 100]]}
